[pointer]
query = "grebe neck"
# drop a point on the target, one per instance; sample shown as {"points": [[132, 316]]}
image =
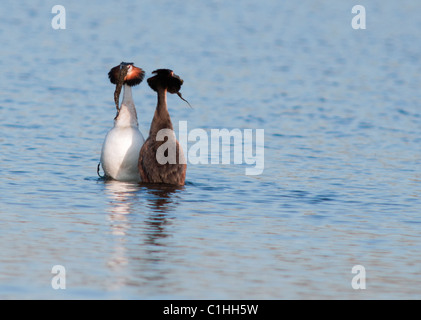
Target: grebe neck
{"points": [[161, 119], [127, 116]]}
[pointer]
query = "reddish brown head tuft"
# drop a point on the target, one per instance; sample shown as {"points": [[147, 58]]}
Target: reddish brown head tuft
{"points": [[134, 76]]}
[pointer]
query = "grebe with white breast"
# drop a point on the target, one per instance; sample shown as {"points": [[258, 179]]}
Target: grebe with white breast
{"points": [[122, 144], [150, 168]]}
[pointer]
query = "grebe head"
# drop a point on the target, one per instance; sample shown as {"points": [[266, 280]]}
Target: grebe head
{"points": [[126, 73], [166, 79]]}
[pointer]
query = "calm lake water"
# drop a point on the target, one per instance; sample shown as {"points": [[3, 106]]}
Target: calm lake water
{"points": [[341, 185]]}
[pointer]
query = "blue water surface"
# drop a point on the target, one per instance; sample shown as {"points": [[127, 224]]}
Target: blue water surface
{"points": [[341, 185]]}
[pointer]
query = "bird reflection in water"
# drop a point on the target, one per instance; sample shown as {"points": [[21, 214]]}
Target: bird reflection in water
{"points": [[127, 203], [161, 201]]}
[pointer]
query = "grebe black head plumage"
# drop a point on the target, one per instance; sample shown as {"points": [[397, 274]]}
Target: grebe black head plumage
{"points": [[166, 79]]}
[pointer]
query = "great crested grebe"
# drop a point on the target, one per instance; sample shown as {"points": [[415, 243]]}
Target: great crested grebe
{"points": [[151, 168], [121, 147]]}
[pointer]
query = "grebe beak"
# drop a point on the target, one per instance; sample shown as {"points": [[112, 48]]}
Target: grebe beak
{"points": [[181, 97]]}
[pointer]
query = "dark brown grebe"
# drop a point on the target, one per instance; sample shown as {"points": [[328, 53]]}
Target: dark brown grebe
{"points": [[151, 167]]}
